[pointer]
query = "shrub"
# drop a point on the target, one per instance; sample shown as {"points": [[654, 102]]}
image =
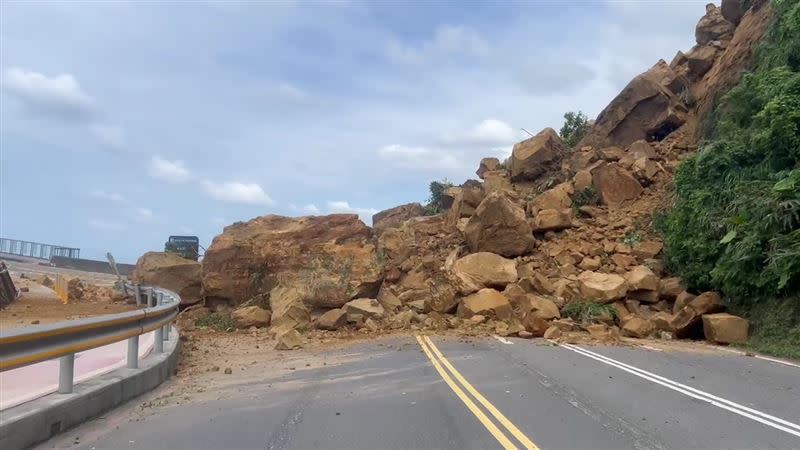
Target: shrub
{"points": [[437, 188], [219, 321], [735, 221], [575, 126], [588, 311]]}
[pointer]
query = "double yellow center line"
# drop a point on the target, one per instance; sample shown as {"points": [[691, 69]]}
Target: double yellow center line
{"points": [[440, 363]]}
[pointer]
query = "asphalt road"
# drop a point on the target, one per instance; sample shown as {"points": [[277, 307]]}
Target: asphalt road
{"points": [[487, 394]]}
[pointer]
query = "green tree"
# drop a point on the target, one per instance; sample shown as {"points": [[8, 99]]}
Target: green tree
{"points": [[575, 126]]}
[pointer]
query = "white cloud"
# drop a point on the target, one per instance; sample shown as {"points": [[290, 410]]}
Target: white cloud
{"points": [[110, 196], [365, 214], [106, 225], [143, 215], [419, 158], [309, 208], [236, 192], [60, 95], [447, 40], [489, 132], [171, 171], [289, 92], [111, 136]]}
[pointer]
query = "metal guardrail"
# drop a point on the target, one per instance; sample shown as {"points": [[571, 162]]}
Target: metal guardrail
{"points": [[36, 249], [23, 346]]}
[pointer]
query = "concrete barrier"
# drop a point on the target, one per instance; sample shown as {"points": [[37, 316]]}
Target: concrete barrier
{"points": [[38, 420]]}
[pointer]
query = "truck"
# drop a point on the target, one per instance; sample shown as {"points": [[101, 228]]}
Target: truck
{"points": [[186, 246]]}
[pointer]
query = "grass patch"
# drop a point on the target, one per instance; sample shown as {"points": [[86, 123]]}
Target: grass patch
{"points": [[588, 311], [774, 327], [219, 321]]}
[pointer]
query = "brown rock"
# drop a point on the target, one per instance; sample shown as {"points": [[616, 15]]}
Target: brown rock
{"points": [[332, 320], [732, 11], [690, 315], [367, 307], [531, 157], [615, 184], [582, 180], [638, 328], [247, 258], [724, 328], [388, 299], [700, 60], [290, 339], [394, 217], [170, 271], [251, 316], [682, 300], [525, 334], [623, 261], [486, 302], [644, 295], [487, 164], [552, 220], [557, 198], [541, 307], [646, 108], [483, 269], [713, 26], [443, 298], [641, 277], [642, 149], [603, 332], [589, 263], [671, 287], [497, 181], [602, 287], [535, 325], [288, 308], [647, 249], [662, 321], [499, 226], [612, 153], [537, 284], [552, 332]]}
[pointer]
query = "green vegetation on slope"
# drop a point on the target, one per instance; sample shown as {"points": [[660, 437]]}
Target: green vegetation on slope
{"points": [[575, 126], [735, 226], [435, 203]]}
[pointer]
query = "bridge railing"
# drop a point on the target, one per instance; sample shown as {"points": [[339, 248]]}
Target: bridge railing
{"points": [[29, 345]]}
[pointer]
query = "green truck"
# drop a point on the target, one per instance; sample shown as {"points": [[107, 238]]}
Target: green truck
{"points": [[186, 246]]}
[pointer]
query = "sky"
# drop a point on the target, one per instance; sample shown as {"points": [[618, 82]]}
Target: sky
{"points": [[123, 122]]}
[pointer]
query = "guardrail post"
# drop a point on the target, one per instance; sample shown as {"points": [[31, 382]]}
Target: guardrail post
{"points": [[159, 335], [133, 352], [66, 371], [151, 301], [138, 292]]}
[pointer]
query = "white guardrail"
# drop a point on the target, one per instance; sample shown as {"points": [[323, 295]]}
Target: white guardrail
{"points": [[29, 345]]}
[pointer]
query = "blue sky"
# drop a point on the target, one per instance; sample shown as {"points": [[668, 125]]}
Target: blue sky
{"points": [[124, 122]]}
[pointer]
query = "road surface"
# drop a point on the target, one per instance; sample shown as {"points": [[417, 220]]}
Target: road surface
{"points": [[411, 392]]}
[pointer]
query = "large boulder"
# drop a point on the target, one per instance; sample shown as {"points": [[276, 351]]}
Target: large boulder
{"points": [[247, 258], [288, 309], [394, 217], [483, 269], [332, 319], [170, 271], [552, 220], [496, 181], [724, 328], [532, 157], [486, 302], [641, 277], [367, 307], [251, 316], [615, 184], [732, 10], [637, 327], [486, 165], [713, 26], [687, 319], [499, 226], [700, 60], [555, 198], [602, 287], [647, 108]]}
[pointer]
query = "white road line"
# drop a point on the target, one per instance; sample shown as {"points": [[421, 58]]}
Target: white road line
{"points": [[502, 339], [758, 416], [765, 358]]}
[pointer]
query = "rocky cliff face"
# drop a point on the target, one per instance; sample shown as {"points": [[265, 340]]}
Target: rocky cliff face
{"points": [[170, 271]]}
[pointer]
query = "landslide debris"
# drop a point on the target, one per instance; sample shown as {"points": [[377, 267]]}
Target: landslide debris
{"points": [[555, 242]]}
